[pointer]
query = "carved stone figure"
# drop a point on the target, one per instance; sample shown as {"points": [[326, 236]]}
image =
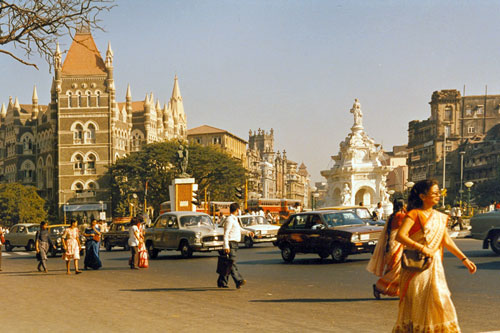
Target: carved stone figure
{"points": [[182, 160], [358, 114], [346, 195]]}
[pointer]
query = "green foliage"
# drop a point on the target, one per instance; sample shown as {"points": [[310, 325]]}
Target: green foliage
{"points": [[211, 167], [20, 204]]}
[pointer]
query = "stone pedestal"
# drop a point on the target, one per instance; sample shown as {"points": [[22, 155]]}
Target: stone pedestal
{"points": [[181, 194]]}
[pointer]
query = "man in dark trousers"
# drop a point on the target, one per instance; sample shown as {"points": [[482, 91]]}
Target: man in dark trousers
{"points": [[232, 236]]}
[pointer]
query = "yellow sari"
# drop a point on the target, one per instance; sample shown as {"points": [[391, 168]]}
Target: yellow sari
{"points": [[425, 301]]}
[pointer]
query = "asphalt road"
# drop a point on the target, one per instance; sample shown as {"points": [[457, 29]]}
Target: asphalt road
{"points": [[177, 294]]}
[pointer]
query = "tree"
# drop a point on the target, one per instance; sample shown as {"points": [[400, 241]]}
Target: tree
{"points": [[34, 25], [485, 192], [20, 204], [211, 167]]}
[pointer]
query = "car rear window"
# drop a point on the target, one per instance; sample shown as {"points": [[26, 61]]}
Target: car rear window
{"points": [[341, 219], [34, 228]]}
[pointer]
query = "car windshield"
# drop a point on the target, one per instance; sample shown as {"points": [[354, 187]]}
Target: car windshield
{"points": [[253, 220], [57, 230], [196, 221], [34, 228], [341, 219], [363, 213]]}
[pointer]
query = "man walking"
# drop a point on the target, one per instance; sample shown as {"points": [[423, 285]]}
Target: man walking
{"points": [[232, 236]]}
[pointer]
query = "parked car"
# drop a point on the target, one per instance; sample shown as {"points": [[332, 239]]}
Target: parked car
{"points": [[486, 227], [263, 230], [55, 233], [362, 212], [186, 232], [21, 235], [335, 233], [117, 235]]}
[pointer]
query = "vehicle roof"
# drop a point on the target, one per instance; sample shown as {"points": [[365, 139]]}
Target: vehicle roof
{"points": [[342, 207], [57, 225], [247, 215], [185, 214], [324, 211], [26, 224]]}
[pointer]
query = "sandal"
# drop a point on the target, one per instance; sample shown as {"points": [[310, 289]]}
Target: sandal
{"points": [[376, 292]]}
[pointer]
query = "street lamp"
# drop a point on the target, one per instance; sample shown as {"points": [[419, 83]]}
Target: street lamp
{"points": [[130, 204], [468, 185], [461, 191], [408, 185]]}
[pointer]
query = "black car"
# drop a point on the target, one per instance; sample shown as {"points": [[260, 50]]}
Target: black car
{"points": [[117, 235], [55, 233], [335, 233]]}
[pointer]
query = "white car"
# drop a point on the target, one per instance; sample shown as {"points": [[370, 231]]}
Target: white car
{"points": [[263, 230]]}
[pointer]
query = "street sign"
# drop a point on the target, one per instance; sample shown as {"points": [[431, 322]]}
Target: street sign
{"points": [[102, 216]]}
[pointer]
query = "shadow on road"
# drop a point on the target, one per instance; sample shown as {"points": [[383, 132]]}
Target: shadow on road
{"points": [[298, 262], [320, 300], [178, 289]]}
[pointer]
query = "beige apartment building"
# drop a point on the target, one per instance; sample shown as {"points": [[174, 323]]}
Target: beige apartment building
{"points": [[207, 135]]}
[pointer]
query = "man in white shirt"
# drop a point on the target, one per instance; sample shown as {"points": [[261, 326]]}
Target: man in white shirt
{"points": [[232, 236], [134, 241]]}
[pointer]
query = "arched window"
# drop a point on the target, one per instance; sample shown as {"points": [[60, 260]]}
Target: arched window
{"points": [[78, 133], [70, 95], [91, 162], [79, 99], [98, 99], [78, 187], [50, 172], [92, 187], [78, 160], [88, 99], [90, 134]]}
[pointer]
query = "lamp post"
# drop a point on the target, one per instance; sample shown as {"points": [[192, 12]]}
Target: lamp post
{"points": [[131, 204], [468, 185], [461, 191]]}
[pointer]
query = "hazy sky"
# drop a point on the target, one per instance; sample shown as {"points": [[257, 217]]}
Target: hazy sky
{"points": [[295, 66]]}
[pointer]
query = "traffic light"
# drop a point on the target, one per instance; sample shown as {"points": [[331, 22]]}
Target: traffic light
{"points": [[239, 192], [444, 192], [194, 196]]}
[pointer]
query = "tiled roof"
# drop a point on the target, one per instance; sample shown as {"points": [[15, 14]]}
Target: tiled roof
{"points": [[136, 106], [205, 129], [83, 57]]}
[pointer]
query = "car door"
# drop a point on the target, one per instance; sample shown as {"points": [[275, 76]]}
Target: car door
{"points": [[298, 234], [158, 232], [171, 233], [13, 235], [317, 233]]}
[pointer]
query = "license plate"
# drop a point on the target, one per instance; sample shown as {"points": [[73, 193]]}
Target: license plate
{"points": [[365, 237], [372, 242]]}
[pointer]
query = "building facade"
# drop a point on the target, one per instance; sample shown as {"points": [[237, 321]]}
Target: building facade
{"points": [[64, 148], [434, 144], [271, 174], [207, 135]]}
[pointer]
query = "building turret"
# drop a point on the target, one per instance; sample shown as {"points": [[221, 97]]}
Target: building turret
{"points": [[58, 62], [34, 100], [3, 113], [17, 107], [128, 103], [176, 102]]}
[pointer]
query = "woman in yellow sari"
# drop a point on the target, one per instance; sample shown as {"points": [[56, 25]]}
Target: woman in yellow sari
{"points": [[425, 301], [386, 259]]}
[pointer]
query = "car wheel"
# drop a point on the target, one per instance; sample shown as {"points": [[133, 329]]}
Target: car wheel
{"points": [[287, 253], [30, 246], [153, 253], [108, 246], [248, 242], [495, 243], [8, 247], [186, 251], [338, 253], [53, 252]]}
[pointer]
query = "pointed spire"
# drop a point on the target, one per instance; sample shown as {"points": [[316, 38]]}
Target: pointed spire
{"points": [[109, 56], [129, 94], [176, 92], [35, 95], [158, 106], [3, 111], [57, 57], [151, 98], [16, 104], [10, 103]]}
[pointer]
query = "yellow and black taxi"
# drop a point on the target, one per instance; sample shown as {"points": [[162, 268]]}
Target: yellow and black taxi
{"points": [[330, 232]]}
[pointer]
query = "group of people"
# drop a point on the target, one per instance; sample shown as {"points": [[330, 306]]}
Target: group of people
{"points": [[72, 246], [425, 302]]}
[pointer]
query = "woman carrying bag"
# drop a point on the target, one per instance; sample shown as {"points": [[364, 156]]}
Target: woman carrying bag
{"points": [[386, 259], [425, 301], [93, 236]]}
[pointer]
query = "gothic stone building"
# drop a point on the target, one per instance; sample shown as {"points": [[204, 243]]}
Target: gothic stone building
{"points": [[64, 148], [454, 120], [271, 174]]}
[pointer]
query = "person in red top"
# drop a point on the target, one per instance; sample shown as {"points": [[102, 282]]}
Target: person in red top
{"points": [[386, 259]]}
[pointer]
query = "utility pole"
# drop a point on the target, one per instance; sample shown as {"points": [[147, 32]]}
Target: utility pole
{"points": [[444, 164]]}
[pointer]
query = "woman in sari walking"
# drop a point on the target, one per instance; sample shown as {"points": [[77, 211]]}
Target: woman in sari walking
{"points": [[386, 259], [72, 246], [425, 301], [93, 236]]}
